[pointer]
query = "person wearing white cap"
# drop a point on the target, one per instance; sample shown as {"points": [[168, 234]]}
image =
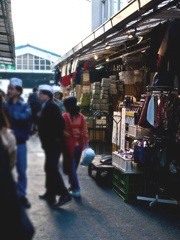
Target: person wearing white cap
{"points": [[51, 127], [57, 96], [19, 116]]}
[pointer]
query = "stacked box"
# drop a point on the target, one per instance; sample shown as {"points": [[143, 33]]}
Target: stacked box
{"points": [[95, 101], [105, 82], [112, 77], [96, 91], [104, 95], [120, 86], [95, 96], [113, 85]]}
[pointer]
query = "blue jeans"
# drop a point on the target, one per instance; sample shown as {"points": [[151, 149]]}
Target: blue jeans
{"points": [[21, 166], [73, 178]]}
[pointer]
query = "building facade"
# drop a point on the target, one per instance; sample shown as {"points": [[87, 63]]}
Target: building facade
{"points": [[102, 10], [32, 65]]}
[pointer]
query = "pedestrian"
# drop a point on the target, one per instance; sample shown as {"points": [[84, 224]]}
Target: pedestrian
{"points": [[76, 139], [35, 105], [51, 127], [7, 136], [15, 222], [58, 99], [19, 116]]}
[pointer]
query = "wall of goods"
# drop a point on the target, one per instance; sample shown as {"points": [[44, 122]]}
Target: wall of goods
{"points": [[144, 128], [132, 108]]}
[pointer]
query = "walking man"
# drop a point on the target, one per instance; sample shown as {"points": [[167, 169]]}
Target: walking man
{"points": [[35, 106], [51, 127], [19, 115]]}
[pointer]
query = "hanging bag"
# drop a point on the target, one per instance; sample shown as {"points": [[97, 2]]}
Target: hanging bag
{"points": [[87, 156], [9, 142]]}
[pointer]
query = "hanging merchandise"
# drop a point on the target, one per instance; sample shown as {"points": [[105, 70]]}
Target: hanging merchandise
{"points": [[66, 80], [57, 77], [168, 55], [78, 75], [159, 154], [143, 116], [89, 65]]}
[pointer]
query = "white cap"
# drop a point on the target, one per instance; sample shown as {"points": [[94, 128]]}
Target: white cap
{"points": [[55, 89], [16, 82], [45, 87]]}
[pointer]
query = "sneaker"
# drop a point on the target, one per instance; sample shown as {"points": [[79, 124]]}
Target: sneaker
{"points": [[63, 199], [24, 202], [75, 193]]}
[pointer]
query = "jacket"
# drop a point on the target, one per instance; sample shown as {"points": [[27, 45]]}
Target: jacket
{"points": [[51, 125], [76, 134], [19, 116]]}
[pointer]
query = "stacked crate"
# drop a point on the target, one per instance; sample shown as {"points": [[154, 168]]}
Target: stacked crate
{"points": [[104, 95], [127, 186], [95, 96], [113, 85]]}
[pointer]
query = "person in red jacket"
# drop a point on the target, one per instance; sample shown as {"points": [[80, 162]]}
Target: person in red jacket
{"points": [[76, 139]]}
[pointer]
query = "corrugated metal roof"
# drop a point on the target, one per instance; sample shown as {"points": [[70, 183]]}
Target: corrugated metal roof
{"points": [[7, 44], [111, 40], [37, 48]]}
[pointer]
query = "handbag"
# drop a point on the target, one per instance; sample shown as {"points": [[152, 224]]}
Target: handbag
{"points": [[87, 156], [9, 142]]}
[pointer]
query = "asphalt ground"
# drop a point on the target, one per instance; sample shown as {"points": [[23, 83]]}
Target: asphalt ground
{"points": [[99, 214]]}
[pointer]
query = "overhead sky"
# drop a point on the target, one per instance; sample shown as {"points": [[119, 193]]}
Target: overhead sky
{"points": [[53, 25]]}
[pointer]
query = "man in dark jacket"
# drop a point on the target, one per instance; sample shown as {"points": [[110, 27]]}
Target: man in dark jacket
{"points": [[51, 127]]}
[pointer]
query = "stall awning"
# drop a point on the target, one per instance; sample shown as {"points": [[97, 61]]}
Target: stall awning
{"points": [[7, 45], [125, 33]]}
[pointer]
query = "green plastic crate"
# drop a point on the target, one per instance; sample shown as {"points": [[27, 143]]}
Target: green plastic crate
{"points": [[127, 186]]}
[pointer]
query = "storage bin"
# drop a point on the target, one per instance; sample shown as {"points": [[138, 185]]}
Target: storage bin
{"points": [[127, 186], [138, 132], [124, 164]]}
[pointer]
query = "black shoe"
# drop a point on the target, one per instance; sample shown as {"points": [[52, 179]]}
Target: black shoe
{"points": [[24, 202], [49, 198], [63, 199], [70, 188]]}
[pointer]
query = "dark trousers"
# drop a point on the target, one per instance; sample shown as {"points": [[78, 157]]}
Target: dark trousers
{"points": [[54, 182]]}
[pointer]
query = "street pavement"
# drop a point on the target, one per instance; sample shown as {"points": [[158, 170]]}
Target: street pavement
{"points": [[99, 214]]}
